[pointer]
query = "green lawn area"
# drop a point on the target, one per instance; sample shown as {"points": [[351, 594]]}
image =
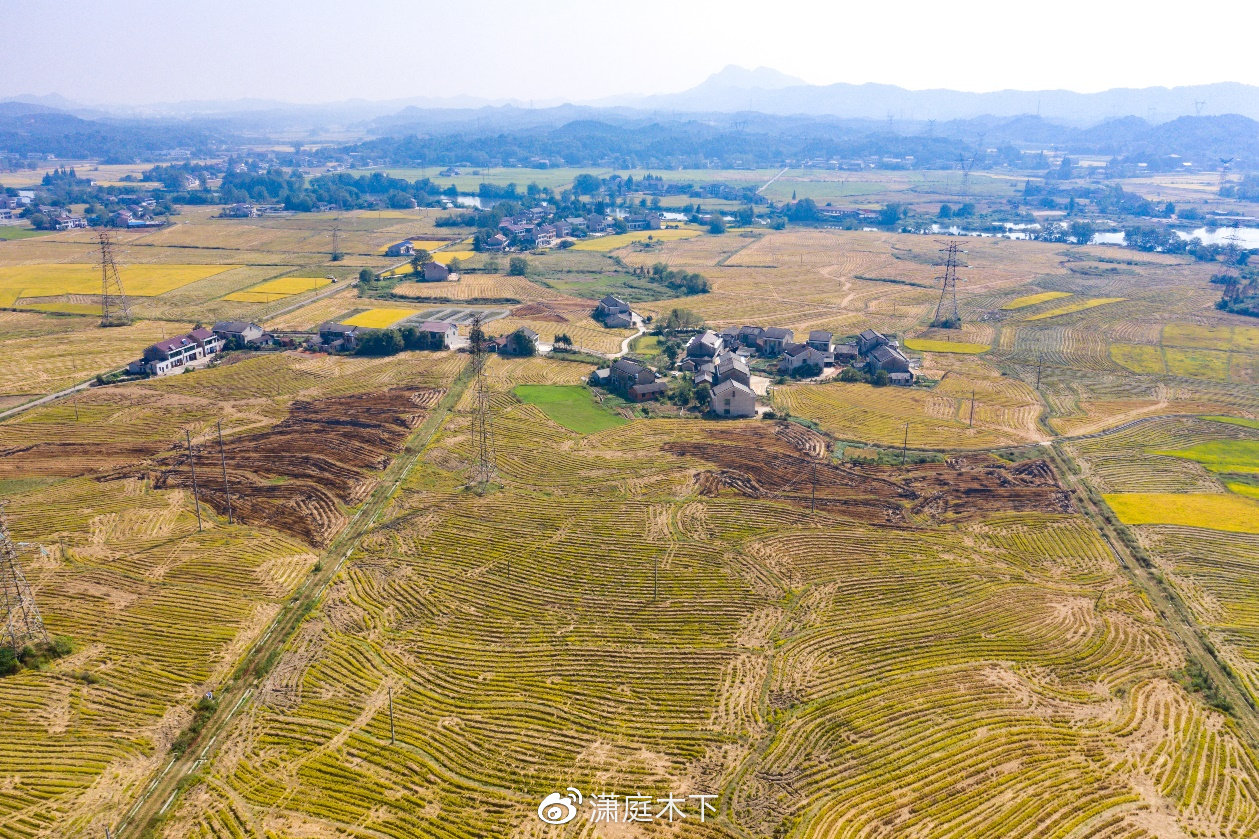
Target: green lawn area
{"points": [[8, 231], [647, 344], [572, 406]]}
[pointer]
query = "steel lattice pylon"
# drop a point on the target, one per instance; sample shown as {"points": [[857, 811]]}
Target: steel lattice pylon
{"points": [[115, 308], [22, 621], [946, 309], [484, 469]]}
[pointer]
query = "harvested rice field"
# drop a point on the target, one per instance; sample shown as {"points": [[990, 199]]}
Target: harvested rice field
{"points": [[972, 607]]}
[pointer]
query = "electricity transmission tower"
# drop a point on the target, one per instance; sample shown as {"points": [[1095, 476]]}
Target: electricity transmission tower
{"points": [[946, 310], [482, 428], [336, 244], [115, 309], [22, 622]]}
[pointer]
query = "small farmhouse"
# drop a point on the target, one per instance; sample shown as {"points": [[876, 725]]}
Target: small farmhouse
{"points": [[733, 399]]}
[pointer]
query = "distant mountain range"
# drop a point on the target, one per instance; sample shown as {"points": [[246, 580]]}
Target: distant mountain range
{"points": [[762, 90], [769, 92], [742, 115]]}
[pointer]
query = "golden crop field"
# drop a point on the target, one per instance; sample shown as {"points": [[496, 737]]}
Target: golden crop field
{"points": [[19, 281], [1033, 299], [380, 318], [445, 257], [619, 240], [278, 288], [963, 347], [1077, 306], [1211, 511]]}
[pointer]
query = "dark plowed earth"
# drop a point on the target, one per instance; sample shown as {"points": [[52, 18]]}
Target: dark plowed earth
{"points": [[762, 463], [299, 475], [64, 459]]}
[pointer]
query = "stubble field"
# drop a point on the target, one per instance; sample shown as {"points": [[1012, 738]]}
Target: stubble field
{"points": [[658, 606]]}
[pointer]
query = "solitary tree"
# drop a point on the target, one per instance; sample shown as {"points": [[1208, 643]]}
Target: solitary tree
{"points": [[517, 266]]}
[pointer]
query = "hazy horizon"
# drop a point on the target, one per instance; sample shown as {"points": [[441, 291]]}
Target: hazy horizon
{"points": [[572, 52]]}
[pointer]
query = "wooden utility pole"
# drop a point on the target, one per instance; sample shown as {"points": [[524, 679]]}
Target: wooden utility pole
{"points": [[76, 419], [905, 446], [227, 493], [971, 423], [192, 467], [655, 577], [813, 481], [1040, 359], [391, 737]]}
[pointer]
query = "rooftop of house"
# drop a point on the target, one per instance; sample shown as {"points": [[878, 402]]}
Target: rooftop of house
{"points": [[234, 326], [778, 332], [732, 386]]}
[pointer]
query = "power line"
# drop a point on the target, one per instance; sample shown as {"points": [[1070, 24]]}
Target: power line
{"points": [[192, 467], [227, 493]]}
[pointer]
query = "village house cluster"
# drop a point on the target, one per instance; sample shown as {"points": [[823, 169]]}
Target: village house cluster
{"points": [[871, 350], [721, 361]]}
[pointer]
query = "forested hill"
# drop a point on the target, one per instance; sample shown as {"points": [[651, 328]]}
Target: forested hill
{"points": [[26, 129]]}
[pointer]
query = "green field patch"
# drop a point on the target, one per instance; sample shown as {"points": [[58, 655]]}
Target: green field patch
{"points": [[1198, 337], [1244, 423], [1239, 456], [647, 344], [1208, 510], [572, 406], [10, 233], [928, 345], [1139, 358], [1197, 364]]}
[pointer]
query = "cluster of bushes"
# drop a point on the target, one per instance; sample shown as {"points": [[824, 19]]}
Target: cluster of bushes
{"points": [[394, 341], [33, 656], [852, 374], [683, 281]]}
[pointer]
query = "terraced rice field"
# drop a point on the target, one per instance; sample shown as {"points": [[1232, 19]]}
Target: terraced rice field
{"points": [[927, 345], [815, 672], [652, 606], [879, 415], [160, 611], [278, 289], [34, 366], [380, 318]]}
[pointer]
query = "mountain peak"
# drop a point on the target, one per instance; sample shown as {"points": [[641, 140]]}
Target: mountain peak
{"points": [[762, 78]]}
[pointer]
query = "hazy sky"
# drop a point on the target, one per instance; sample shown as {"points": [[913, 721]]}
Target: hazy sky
{"points": [[136, 51]]}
